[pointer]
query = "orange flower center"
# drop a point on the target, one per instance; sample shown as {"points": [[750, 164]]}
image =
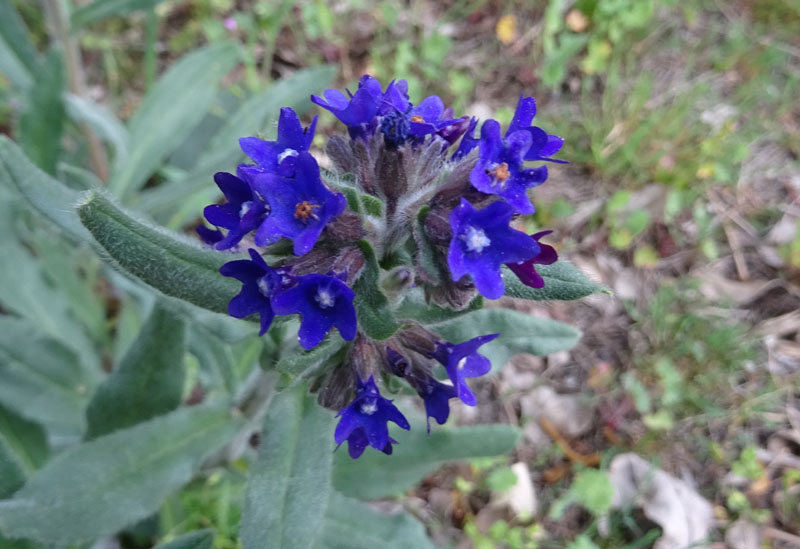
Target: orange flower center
{"points": [[417, 118], [304, 210], [500, 172]]}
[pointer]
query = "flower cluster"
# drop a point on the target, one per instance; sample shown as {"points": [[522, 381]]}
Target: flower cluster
{"points": [[415, 203]]}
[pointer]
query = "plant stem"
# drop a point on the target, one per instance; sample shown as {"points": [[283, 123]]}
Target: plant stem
{"points": [[76, 80]]}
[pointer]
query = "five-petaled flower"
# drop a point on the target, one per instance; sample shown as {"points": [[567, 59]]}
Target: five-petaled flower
{"points": [[279, 156], [260, 283], [243, 211], [300, 207], [461, 361], [364, 421], [322, 302], [482, 241]]}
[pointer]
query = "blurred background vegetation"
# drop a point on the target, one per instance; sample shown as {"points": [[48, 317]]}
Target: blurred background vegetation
{"points": [[682, 128]]}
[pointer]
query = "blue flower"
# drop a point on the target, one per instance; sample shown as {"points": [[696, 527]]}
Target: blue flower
{"points": [[499, 169], [461, 361], [468, 142], [260, 283], [279, 156], [359, 111], [299, 208], [526, 270], [543, 145], [322, 302], [436, 396], [482, 241], [364, 421], [243, 211]]}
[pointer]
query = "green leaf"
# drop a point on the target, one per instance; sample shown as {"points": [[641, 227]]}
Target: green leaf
{"points": [[376, 475], [148, 381], [289, 485], [46, 195], [102, 120], [593, 490], [18, 57], [414, 308], [375, 317], [563, 281], [42, 122], [100, 9], [11, 475], [40, 378], [299, 363], [519, 333], [170, 263], [170, 111], [200, 539], [351, 524], [96, 488], [25, 440], [174, 201]]}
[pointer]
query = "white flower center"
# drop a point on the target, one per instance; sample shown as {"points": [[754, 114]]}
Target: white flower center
{"points": [[461, 363], [476, 239], [369, 407], [263, 287], [324, 298], [286, 153], [246, 207]]}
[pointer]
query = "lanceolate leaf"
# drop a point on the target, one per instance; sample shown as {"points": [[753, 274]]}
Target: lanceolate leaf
{"points": [[519, 333], [99, 9], [46, 195], [42, 122], [201, 539], [102, 120], [23, 448], [168, 201], [289, 485], [147, 382], [96, 488], [376, 475], [18, 59], [40, 378], [563, 281], [351, 524], [175, 266], [375, 317], [170, 111]]}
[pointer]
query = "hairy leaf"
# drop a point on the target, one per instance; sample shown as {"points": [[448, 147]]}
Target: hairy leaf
{"points": [[96, 488], [170, 111], [376, 475], [289, 485], [174, 265], [42, 122], [18, 58], [563, 281], [148, 381], [351, 524], [519, 333], [298, 363]]}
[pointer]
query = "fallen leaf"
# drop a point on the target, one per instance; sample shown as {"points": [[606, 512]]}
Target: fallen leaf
{"points": [[743, 534], [506, 29], [685, 517]]}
